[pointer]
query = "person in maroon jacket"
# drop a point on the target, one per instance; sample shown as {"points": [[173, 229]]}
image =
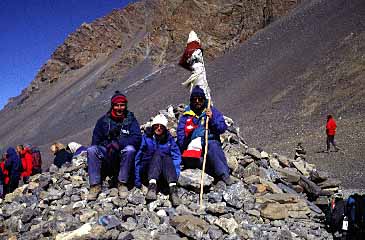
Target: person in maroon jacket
{"points": [[331, 127]]}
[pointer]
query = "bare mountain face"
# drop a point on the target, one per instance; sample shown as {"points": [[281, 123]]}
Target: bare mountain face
{"points": [[278, 81]]}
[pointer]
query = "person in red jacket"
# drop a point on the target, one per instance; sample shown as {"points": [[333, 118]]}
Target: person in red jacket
{"points": [[331, 127], [4, 175], [26, 157]]}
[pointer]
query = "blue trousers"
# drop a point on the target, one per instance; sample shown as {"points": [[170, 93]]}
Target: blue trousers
{"points": [[216, 164], [162, 166], [118, 165]]}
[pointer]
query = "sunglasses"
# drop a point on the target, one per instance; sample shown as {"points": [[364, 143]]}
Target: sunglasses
{"points": [[156, 126]]}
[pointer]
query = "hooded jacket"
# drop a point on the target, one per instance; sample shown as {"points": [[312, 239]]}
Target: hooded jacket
{"points": [[13, 163], [331, 127], [126, 132], [216, 126], [148, 147]]}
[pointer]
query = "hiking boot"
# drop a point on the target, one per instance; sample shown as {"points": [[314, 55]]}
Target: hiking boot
{"points": [[227, 180], [122, 190], [174, 197], [94, 192], [152, 192]]}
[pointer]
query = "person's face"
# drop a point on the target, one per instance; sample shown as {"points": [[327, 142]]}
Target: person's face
{"points": [[158, 129], [198, 102], [18, 149], [119, 108]]}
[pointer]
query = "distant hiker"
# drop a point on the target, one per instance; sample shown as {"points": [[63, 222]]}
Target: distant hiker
{"points": [[158, 158], [37, 160], [190, 136], [5, 173], [331, 127], [299, 152], [2, 178], [61, 155], [13, 165], [76, 148], [192, 59], [25, 155], [116, 137]]}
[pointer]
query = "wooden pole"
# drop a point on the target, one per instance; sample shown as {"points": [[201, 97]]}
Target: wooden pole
{"points": [[205, 159]]}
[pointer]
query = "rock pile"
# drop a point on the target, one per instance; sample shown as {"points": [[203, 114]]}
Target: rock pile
{"points": [[271, 199]]}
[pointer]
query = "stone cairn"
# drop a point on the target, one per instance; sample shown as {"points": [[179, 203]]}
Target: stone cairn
{"points": [[272, 198]]}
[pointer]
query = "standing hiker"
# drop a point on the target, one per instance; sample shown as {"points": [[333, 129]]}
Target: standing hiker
{"points": [[331, 127], [158, 158], [5, 173], [61, 155], [25, 155], [116, 137], [13, 165], [37, 160], [190, 136]]}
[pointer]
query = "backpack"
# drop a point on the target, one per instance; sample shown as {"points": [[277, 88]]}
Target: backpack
{"points": [[355, 212], [37, 159]]}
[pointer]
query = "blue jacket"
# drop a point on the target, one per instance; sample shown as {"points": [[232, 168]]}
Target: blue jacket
{"points": [[148, 147], [216, 126], [126, 132], [13, 163]]}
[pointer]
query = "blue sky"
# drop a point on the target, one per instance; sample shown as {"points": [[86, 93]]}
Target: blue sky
{"points": [[30, 30]]}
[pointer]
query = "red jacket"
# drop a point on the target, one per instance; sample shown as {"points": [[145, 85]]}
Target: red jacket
{"points": [[5, 172], [331, 127], [27, 162]]}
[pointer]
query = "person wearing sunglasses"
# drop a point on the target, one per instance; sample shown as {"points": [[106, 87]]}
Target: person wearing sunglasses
{"points": [[191, 137], [116, 138], [158, 160]]}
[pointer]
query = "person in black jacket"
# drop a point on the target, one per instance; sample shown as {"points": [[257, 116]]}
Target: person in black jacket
{"points": [[14, 166], [61, 155]]}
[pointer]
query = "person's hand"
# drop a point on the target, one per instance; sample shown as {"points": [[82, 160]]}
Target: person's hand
{"points": [[209, 113]]}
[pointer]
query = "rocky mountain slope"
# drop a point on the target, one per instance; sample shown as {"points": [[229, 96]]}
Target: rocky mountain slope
{"points": [[272, 198], [279, 85]]}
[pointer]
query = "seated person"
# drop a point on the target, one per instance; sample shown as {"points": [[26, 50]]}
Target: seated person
{"points": [[61, 155], [76, 148], [158, 158], [191, 137], [116, 138]]}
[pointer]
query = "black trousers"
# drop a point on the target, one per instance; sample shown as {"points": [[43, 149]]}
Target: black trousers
{"points": [[13, 183], [162, 166], [331, 140]]}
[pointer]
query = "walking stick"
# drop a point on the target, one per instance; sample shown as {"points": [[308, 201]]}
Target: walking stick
{"points": [[205, 159]]}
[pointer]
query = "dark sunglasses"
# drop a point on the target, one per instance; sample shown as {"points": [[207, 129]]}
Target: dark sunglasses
{"points": [[156, 126]]}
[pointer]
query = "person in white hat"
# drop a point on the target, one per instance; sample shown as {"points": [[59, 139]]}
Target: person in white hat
{"points": [[158, 158]]}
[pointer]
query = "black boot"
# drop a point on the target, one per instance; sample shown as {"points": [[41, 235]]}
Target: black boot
{"points": [[174, 197], [152, 192]]}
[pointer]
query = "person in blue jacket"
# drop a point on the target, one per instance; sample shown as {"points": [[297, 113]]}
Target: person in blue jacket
{"points": [[14, 166], [158, 158], [116, 137], [191, 136]]}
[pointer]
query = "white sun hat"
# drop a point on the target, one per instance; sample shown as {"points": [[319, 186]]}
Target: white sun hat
{"points": [[160, 119]]}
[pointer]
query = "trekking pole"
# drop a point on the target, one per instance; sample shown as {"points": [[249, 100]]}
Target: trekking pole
{"points": [[205, 159]]}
